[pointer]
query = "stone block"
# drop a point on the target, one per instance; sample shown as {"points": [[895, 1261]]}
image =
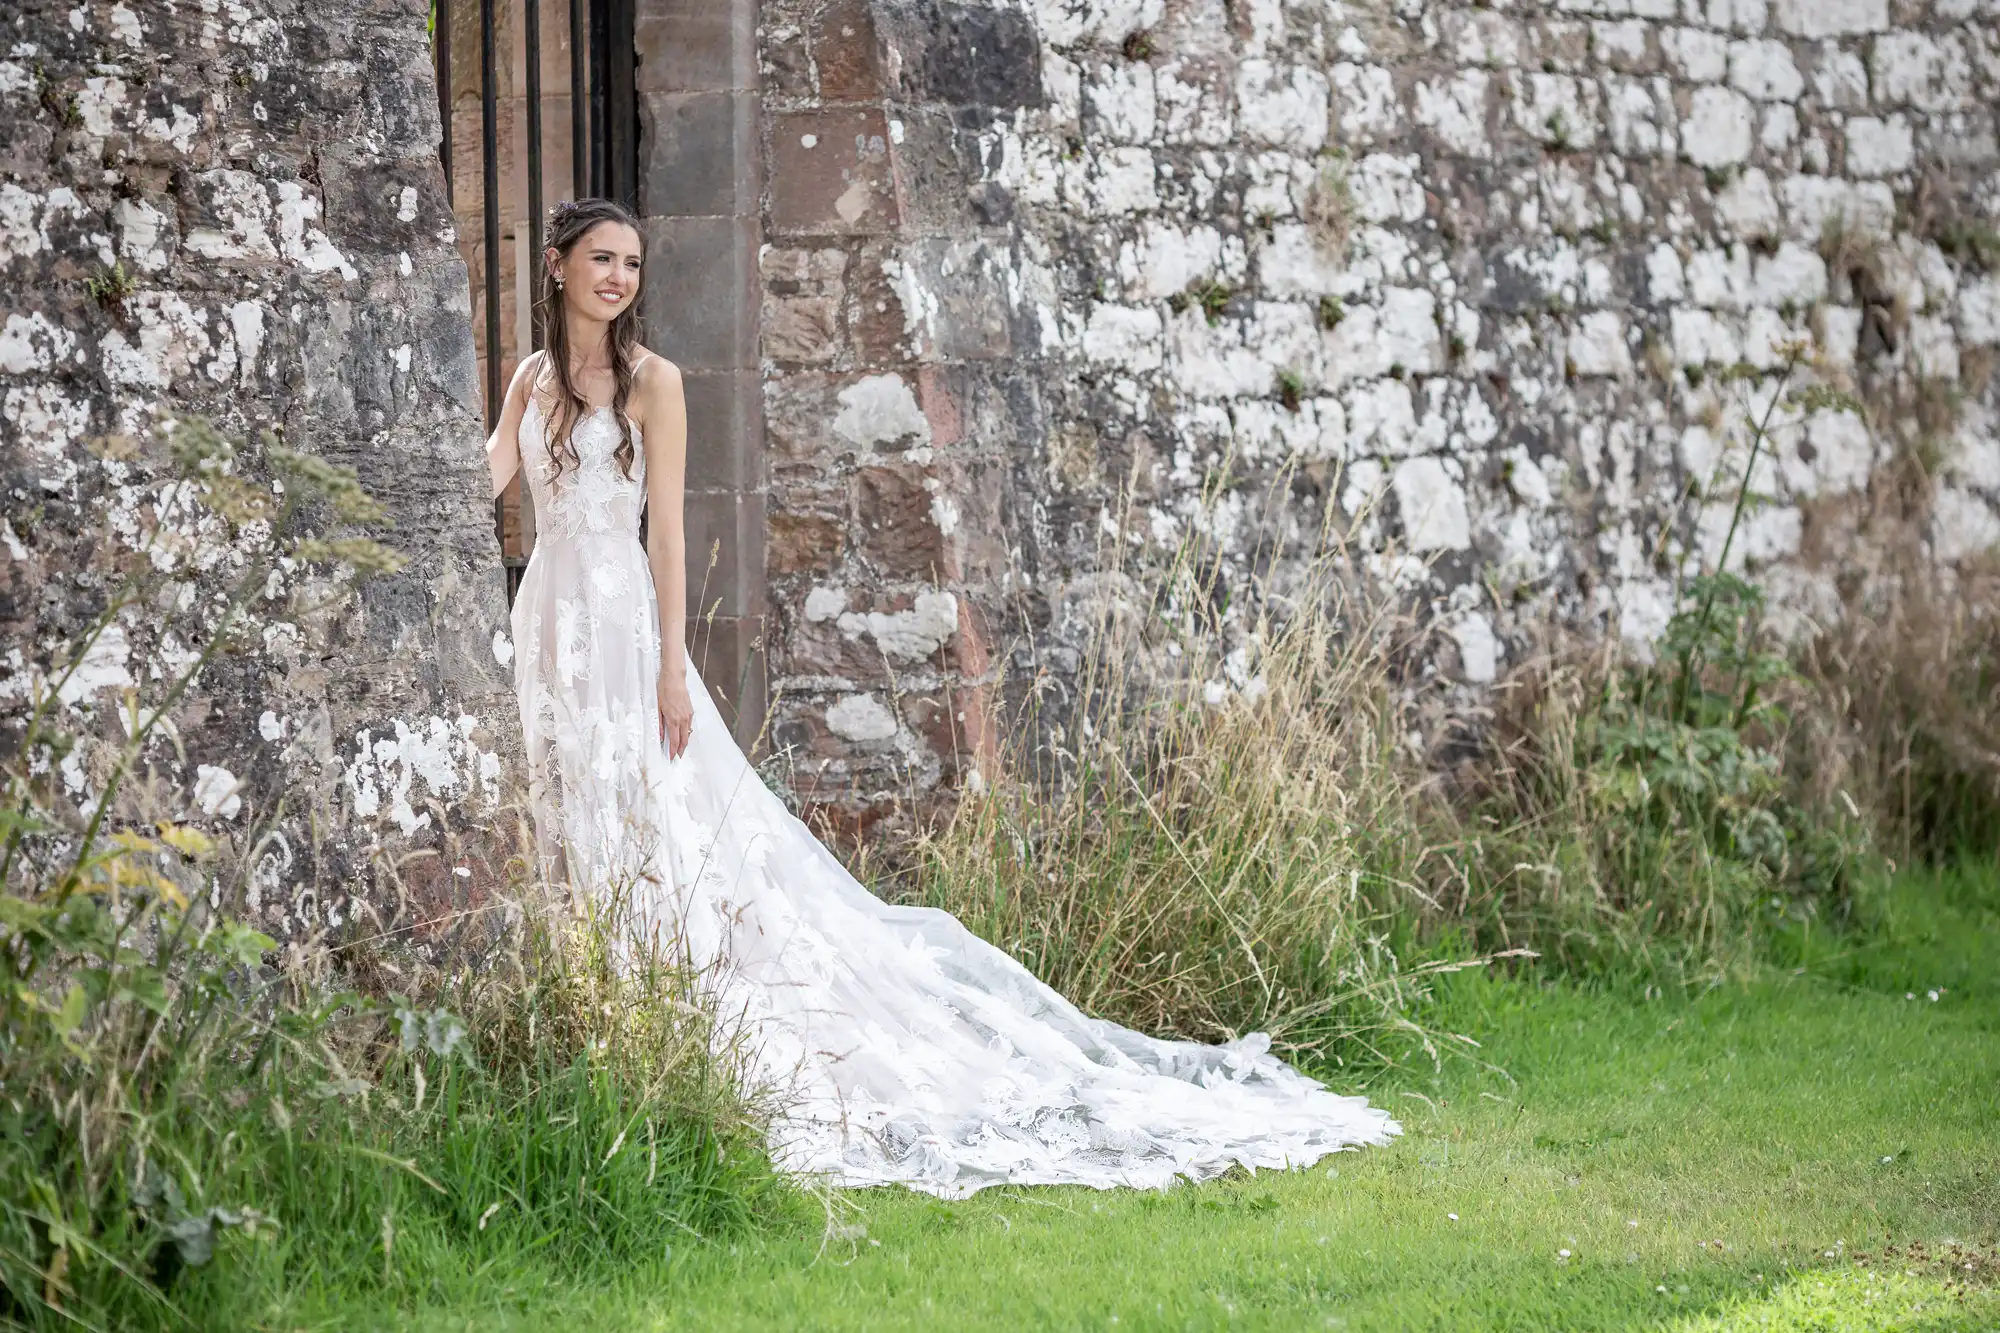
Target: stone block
{"points": [[724, 532], [698, 154], [969, 510], [725, 430], [696, 45], [1832, 18], [804, 543], [701, 298], [832, 172], [938, 170], [897, 531], [845, 52], [881, 333], [802, 329], [799, 410], [967, 55]]}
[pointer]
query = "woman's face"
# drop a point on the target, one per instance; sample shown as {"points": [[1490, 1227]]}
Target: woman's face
{"points": [[600, 275]]}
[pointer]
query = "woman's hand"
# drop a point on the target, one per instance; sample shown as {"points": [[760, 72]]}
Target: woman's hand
{"points": [[676, 713]]}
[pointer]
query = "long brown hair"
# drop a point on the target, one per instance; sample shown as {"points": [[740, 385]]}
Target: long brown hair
{"points": [[569, 223]]}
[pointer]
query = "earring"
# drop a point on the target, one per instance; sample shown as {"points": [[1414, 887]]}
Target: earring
{"points": [[559, 280]]}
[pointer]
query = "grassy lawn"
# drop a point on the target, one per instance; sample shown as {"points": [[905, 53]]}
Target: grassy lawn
{"points": [[1738, 1159]]}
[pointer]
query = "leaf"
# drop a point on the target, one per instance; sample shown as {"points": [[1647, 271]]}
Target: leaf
{"points": [[127, 843], [342, 1087], [438, 1031], [195, 1236], [147, 986], [23, 917], [187, 841], [237, 943], [75, 1006], [445, 1034]]}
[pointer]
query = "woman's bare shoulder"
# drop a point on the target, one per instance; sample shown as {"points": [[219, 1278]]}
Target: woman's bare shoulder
{"points": [[653, 371]]}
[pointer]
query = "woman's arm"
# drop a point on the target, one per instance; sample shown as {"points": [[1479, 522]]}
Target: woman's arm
{"points": [[503, 446], [662, 417]]}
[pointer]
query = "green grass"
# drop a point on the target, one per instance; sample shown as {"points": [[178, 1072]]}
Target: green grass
{"points": [[1710, 1162]]}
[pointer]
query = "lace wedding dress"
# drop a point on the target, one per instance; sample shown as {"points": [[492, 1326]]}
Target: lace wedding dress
{"points": [[904, 1049]]}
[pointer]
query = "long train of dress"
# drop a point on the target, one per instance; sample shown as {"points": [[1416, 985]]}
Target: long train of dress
{"points": [[906, 1049]]}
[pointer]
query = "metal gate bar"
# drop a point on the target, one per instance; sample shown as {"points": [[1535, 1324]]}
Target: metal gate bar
{"points": [[579, 155], [531, 42], [489, 148]]}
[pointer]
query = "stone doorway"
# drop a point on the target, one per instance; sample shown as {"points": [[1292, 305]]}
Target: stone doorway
{"points": [[653, 102]]}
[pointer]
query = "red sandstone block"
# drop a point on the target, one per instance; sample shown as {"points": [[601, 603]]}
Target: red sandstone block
{"points": [[802, 543], [845, 52], [832, 170], [898, 534]]}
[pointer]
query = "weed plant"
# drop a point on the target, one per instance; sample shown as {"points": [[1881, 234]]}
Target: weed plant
{"points": [[1906, 714], [1639, 820]]}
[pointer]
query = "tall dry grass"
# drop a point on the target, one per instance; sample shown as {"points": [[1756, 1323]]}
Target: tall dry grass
{"points": [[1905, 715], [1214, 826]]}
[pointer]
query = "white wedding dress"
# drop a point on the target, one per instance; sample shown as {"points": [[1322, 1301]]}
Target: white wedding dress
{"points": [[903, 1048]]}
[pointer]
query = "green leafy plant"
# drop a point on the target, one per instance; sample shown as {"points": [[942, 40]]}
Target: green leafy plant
{"points": [[111, 287], [1291, 389], [1210, 295]]}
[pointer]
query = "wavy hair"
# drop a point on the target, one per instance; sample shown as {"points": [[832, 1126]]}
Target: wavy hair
{"points": [[568, 224]]}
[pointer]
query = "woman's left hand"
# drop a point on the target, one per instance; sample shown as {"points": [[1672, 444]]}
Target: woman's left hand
{"points": [[676, 714]]}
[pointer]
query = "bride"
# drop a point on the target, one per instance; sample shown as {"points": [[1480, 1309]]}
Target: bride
{"points": [[908, 1050]]}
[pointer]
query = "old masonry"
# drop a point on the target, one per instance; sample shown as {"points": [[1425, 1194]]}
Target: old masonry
{"points": [[968, 295]]}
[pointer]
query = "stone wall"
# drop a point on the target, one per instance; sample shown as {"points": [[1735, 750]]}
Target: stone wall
{"points": [[237, 211], [1492, 286]]}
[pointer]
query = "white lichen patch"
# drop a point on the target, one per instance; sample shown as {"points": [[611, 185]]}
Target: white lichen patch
{"points": [[909, 636], [860, 717], [432, 758], [216, 792], [880, 410]]}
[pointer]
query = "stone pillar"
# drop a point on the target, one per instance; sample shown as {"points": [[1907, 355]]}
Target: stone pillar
{"points": [[901, 393], [700, 183]]}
